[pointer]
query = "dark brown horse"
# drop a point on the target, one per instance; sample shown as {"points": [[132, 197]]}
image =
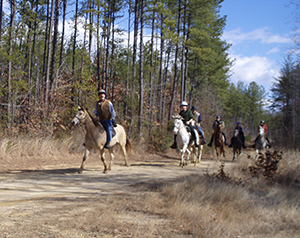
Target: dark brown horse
{"points": [[237, 144], [219, 140]]}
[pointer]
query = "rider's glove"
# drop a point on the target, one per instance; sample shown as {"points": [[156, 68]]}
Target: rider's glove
{"points": [[114, 123]]}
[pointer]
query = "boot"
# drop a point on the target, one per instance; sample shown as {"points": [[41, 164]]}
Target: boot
{"points": [[211, 140], [244, 146], [174, 146], [107, 146]]}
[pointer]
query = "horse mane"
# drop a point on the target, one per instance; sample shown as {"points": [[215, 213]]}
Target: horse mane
{"points": [[217, 129], [94, 120]]}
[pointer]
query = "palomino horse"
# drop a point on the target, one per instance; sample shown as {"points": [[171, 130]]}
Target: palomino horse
{"points": [[261, 142], [188, 144], [237, 144], [95, 138], [219, 140]]}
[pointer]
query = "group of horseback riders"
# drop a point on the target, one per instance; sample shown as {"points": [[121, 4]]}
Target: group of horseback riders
{"points": [[104, 110], [190, 116]]}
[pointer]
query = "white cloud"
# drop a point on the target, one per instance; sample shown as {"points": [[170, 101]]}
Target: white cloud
{"points": [[273, 50], [236, 36], [259, 69]]}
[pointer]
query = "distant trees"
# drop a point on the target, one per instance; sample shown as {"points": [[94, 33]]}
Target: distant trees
{"points": [[176, 54], [286, 103]]}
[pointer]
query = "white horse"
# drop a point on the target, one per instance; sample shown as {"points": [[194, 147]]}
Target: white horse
{"points": [[261, 142], [188, 144], [95, 138]]}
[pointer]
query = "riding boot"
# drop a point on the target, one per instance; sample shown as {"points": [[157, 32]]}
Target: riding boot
{"points": [[107, 146], [211, 141], [203, 139], [174, 146], [269, 144]]}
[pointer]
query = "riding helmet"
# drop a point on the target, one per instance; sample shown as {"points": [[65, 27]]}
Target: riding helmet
{"points": [[262, 122], [184, 103], [101, 91], [218, 117], [238, 123], [193, 108]]}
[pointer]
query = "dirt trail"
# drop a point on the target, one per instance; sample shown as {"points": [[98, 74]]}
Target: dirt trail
{"points": [[49, 200], [18, 186]]}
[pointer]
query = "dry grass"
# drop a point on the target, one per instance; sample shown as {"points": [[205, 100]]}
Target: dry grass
{"points": [[208, 207], [194, 206]]}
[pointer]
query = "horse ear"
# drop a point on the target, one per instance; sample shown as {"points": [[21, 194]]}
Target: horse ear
{"points": [[79, 108]]}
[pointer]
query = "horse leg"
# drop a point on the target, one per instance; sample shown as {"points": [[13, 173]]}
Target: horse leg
{"points": [[86, 154], [217, 152], [112, 156], [188, 156], [183, 150], [123, 149], [200, 153], [103, 160]]}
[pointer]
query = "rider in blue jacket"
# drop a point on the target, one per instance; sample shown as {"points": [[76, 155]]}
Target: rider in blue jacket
{"points": [[218, 119], [241, 134]]}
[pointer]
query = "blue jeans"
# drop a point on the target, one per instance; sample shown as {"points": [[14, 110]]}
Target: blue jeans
{"points": [[108, 128], [200, 131]]}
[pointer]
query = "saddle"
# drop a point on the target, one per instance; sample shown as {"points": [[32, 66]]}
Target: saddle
{"points": [[192, 137], [113, 131]]}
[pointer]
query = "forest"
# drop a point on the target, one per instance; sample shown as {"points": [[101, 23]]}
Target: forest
{"points": [[148, 55]]}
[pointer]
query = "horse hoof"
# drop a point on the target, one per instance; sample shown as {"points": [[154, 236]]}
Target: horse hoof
{"points": [[80, 171]]}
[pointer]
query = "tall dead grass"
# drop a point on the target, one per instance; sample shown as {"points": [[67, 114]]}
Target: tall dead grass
{"points": [[27, 151], [257, 207]]}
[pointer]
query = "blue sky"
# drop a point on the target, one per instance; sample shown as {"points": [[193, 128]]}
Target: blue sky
{"points": [[259, 31]]}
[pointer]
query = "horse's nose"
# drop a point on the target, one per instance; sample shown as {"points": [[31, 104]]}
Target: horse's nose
{"points": [[73, 122]]}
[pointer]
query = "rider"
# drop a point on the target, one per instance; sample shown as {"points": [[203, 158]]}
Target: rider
{"points": [[198, 119], [241, 134], [262, 123], [188, 118], [218, 119], [105, 111]]}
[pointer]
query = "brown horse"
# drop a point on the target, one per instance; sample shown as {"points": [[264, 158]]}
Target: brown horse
{"points": [[219, 140]]}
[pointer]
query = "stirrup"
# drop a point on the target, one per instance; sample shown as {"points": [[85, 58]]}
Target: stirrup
{"points": [[107, 146]]}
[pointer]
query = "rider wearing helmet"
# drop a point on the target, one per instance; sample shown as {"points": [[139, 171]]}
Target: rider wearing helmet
{"points": [[198, 119], [241, 134], [106, 113], [188, 118], [218, 119], [262, 123]]}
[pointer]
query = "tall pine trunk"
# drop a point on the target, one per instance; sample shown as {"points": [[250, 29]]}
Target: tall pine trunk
{"points": [[140, 121], [48, 60], [57, 3], [175, 62], [9, 87], [62, 35]]}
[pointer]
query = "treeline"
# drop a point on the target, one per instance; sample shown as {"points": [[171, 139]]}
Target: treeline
{"points": [[176, 54]]}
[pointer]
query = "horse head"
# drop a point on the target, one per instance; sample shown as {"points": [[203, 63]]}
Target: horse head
{"points": [[219, 127], [79, 117], [261, 131], [178, 123], [236, 133]]}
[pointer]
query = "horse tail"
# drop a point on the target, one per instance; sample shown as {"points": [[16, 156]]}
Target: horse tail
{"points": [[128, 145]]}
